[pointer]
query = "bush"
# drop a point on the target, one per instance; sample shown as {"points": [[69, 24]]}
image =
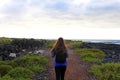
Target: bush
{"points": [[6, 78], [91, 55], [4, 69], [75, 44], [108, 71], [93, 60], [4, 62], [32, 62], [49, 43], [9, 78], [20, 72], [36, 63], [4, 40], [11, 63]]}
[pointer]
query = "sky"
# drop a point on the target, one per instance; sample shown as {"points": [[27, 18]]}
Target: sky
{"points": [[51, 19]]}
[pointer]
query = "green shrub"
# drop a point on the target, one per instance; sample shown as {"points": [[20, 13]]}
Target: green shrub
{"points": [[4, 62], [36, 63], [92, 52], [11, 63], [49, 43], [4, 69], [6, 78], [9, 78], [108, 71], [33, 63], [91, 55], [20, 72], [75, 44], [93, 60], [5, 40]]}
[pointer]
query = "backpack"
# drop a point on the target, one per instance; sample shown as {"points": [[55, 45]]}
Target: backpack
{"points": [[60, 57]]}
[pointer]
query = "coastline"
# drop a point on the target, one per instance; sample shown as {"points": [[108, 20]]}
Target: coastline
{"points": [[112, 51]]}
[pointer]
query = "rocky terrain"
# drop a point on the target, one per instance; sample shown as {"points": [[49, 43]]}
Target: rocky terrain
{"points": [[19, 46], [112, 51]]}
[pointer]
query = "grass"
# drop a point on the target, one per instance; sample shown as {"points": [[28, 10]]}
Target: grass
{"points": [[91, 55], [35, 63], [24, 67], [4, 69], [49, 43], [5, 40], [75, 44], [108, 71], [20, 72]]}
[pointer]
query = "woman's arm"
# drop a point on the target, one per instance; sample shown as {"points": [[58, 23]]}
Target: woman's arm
{"points": [[52, 54], [67, 54]]}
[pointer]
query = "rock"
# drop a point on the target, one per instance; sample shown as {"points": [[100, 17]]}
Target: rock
{"points": [[39, 52], [113, 56], [112, 51], [12, 55]]}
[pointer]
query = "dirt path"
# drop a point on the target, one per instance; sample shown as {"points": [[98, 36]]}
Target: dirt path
{"points": [[76, 68]]}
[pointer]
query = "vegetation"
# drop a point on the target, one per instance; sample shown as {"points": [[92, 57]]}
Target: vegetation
{"points": [[23, 68], [36, 63], [6, 78], [5, 40], [49, 43], [20, 72], [108, 71], [28, 43], [91, 55], [4, 69], [75, 44]]}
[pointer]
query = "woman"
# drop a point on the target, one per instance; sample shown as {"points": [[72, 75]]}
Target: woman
{"points": [[59, 51]]}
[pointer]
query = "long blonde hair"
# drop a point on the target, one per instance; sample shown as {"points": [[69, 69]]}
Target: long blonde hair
{"points": [[59, 46]]}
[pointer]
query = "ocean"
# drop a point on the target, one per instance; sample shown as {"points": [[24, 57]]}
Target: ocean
{"points": [[102, 41]]}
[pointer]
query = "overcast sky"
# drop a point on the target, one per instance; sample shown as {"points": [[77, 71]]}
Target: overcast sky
{"points": [[70, 19]]}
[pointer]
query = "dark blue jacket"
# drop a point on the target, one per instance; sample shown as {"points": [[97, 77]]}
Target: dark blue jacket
{"points": [[59, 64]]}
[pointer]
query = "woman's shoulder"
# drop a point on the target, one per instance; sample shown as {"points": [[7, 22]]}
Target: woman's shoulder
{"points": [[66, 49]]}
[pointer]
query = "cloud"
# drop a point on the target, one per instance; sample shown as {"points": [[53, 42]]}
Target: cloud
{"points": [[78, 18], [74, 7], [15, 7], [103, 6], [13, 10], [59, 6], [87, 11]]}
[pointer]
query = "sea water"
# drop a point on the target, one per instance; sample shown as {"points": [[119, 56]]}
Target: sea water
{"points": [[102, 41]]}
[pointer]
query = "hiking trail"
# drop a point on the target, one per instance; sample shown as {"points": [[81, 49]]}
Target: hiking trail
{"points": [[77, 69]]}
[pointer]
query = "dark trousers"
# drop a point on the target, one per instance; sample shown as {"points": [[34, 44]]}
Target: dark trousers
{"points": [[60, 72]]}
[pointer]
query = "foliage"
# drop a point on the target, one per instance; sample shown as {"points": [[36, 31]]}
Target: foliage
{"points": [[6, 78], [108, 71], [11, 63], [4, 62], [67, 41], [32, 62], [5, 40], [35, 63], [28, 43], [4, 69], [20, 72], [75, 44], [91, 55], [49, 43]]}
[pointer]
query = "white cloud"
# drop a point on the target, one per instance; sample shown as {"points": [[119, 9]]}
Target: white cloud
{"points": [[63, 14], [74, 9], [77, 2], [3, 2]]}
